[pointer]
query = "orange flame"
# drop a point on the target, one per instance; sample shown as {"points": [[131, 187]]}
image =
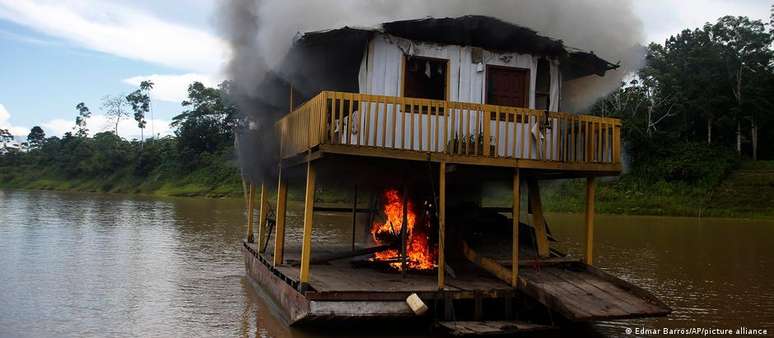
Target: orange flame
{"points": [[418, 252]]}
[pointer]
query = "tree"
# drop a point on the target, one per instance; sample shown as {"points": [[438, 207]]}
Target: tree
{"points": [[744, 46], [116, 108], [207, 124], [5, 137], [140, 102], [36, 137], [80, 120]]}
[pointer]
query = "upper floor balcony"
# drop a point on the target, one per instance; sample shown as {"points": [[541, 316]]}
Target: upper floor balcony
{"points": [[455, 132]]}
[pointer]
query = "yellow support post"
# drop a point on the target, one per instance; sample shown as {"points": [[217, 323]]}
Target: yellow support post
{"points": [[262, 215], [279, 237], [515, 239], [539, 220], [306, 249], [590, 187], [250, 207], [442, 226]]}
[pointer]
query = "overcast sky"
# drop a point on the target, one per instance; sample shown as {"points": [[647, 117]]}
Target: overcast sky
{"points": [[56, 53]]}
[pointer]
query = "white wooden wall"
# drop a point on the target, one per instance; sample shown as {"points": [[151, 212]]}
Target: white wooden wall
{"points": [[381, 73]]}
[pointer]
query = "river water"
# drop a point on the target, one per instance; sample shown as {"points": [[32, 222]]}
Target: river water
{"points": [[94, 265]]}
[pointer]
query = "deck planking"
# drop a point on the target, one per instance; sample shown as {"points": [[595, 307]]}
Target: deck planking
{"points": [[579, 293]]}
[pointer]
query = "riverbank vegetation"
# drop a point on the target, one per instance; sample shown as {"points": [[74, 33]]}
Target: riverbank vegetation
{"points": [[197, 160], [697, 118]]}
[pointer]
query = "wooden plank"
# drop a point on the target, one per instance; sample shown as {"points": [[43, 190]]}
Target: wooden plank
{"points": [[350, 120], [340, 117], [429, 117], [419, 126], [487, 264], [589, 247], [515, 227], [515, 134], [306, 249], [629, 288], [588, 300], [617, 303], [394, 125], [539, 220], [250, 208], [279, 237], [630, 304], [367, 136], [437, 123], [477, 132], [530, 137], [263, 215], [466, 131], [445, 138], [550, 296], [574, 153], [442, 226], [487, 125], [566, 169], [384, 123], [497, 131], [411, 128]]}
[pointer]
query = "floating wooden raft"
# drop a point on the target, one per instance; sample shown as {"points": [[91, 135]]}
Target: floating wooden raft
{"points": [[580, 292]]}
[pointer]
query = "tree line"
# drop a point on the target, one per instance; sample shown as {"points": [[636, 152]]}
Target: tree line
{"points": [[702, 101], [202, 138], [704, 98]]}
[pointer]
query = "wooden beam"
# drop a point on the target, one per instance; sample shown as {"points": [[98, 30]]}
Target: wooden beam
{"points": [[279, 238], [404, 233], [488, 264], [590, 188], [538, 218], [515, 239], [250, 207], [306, 249], [354, 215], [263, 214], [442, 226]]}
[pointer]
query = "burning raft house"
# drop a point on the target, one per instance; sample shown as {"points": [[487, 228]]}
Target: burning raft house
{"points": [[420, 115]]}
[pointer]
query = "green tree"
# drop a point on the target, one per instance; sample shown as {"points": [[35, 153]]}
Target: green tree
{"points": [[80, 120], [207, 125], [36, 137], [745, 47], [140, 103]]}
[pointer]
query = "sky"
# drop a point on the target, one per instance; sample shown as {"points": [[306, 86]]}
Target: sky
{"points": [[57, 53]]}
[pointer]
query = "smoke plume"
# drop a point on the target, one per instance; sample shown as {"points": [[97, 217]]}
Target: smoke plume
{"points": [[262, 31]]}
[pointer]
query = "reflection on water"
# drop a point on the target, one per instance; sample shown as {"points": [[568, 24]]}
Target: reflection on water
{"points": [[106, 265]]}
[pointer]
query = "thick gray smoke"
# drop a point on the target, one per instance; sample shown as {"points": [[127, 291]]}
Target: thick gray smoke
{"points": [[261, 32]]}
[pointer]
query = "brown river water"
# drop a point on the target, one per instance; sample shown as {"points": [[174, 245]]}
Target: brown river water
{"points": [[100, 265]]}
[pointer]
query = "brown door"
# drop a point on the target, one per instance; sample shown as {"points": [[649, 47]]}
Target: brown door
{"points": [[506, 86]]}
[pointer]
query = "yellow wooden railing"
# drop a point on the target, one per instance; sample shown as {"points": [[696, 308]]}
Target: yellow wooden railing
{"points": [[453, 128]]}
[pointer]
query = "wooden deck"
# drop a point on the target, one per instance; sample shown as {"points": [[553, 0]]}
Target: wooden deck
{"points": [[454, 132], [339, 280], [582, 293], [573, 289]]}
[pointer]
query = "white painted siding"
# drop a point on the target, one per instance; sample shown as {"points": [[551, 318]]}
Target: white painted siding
{"points": [[381, 72]]}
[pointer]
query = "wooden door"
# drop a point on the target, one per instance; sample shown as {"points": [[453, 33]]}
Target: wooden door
{"points": [[507, 86]]}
